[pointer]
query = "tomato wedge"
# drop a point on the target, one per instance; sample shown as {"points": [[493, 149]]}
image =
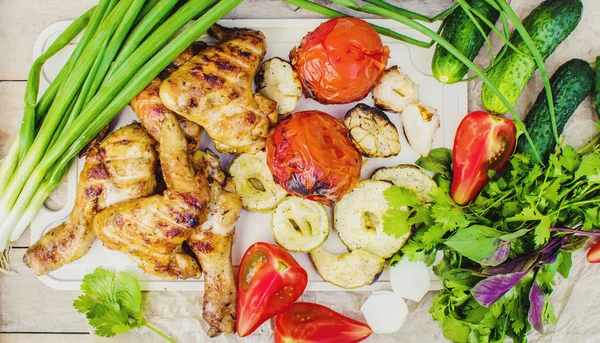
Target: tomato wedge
{"points": [[593, 255], [313, 323], [269, 280]]}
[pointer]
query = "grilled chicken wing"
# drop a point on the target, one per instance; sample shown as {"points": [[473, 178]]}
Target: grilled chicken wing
{"points": [[152, 230], [212, 247], [151, 111], [214, 90], [122, 167]]}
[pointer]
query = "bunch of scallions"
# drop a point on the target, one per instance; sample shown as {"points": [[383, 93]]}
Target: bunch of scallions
{"points": [[124, 45]]}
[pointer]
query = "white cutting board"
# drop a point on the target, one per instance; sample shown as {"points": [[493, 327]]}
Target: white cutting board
{"points": [[282, 35]]}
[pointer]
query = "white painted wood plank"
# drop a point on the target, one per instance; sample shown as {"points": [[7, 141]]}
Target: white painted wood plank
{"points": [[23, 20], [27, 305], [43, 338]]}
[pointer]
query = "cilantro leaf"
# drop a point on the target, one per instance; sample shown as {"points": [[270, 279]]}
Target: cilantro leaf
{"points": [[438, 160], [589, 168], [399, 197], [396, 222], [112, 305]]}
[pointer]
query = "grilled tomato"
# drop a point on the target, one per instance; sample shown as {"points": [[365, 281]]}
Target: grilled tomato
{"points": [[340, 61], [311, 156]]}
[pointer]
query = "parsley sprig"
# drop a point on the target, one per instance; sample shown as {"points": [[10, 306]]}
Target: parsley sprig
{"points": [[512, 217], [112, 303]]}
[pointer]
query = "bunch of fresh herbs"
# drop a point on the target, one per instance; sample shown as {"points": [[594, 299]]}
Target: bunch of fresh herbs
{"points": [[502, 251]]}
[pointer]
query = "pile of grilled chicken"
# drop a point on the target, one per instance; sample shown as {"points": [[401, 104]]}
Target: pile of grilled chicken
{"points": [[184, 228]]}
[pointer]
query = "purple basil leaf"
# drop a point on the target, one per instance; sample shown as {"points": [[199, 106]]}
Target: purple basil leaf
{"points": [[550, 252], [521, 264], [499, 256], [488, 291], [537, 301], [576, 231]]}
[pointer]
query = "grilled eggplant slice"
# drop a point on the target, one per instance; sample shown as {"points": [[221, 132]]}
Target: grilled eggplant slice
{"points": [[420, 124], [277, 80], [350, 270], [371, 132], [254, 183], [358, 219], [300, 225], [408, 176], [395, 90]]}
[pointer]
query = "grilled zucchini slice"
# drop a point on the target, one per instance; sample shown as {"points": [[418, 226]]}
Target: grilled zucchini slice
{"points": [[371, 132], [408, 176], [350, 270], [254, 183], [300, 225], [358, 219]]}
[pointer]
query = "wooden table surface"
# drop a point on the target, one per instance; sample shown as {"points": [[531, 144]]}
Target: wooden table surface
{"points": [[29, 310]]}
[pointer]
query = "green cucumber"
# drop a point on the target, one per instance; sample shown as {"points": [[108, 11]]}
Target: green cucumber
{"points": [[597, 89], [570, 85], [461, 32], [549, 24]]}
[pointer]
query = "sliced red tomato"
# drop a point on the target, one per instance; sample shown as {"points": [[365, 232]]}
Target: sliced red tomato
{"points": [[483, 142], [340, 61], [593, 255], [269, 280], [314, 323]]}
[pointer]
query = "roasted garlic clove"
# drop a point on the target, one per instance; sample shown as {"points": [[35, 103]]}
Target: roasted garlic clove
{"points": [[420, 124], [395, 90], [277, 80], [371, 132]]}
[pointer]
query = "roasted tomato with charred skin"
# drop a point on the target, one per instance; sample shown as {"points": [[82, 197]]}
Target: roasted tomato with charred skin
{"points": [[311, 323], [311, 156], [483, 143], [340, 61], [269, 281]]}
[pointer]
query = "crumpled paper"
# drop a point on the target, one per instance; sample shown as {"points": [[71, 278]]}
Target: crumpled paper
{"points": [[179, 314]]}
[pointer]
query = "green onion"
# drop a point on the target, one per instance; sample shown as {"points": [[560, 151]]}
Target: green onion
{"points": [[125, 83], [413, 15]]}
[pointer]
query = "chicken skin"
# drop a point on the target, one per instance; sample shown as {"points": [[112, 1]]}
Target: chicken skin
{"points": [[212, 246], [214, 90], [152, 230], [151, 111], [121, 168]]}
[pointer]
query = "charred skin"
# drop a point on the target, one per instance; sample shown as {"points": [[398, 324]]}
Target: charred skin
{"points": [[214, 90], [151, 111], [122, 167]]}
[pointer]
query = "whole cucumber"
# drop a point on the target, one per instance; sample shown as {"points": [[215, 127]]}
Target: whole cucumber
{"points": [[461, 32], [548, 25], [570, 85]]}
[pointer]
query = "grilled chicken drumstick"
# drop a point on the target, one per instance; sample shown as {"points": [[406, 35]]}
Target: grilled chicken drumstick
{"points": [[214, 90], [212, 247], [121, 168]]}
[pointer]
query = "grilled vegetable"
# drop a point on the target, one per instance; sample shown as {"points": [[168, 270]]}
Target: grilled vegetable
{"points": [[548, 25], [570, 84], [483, 143], [311, 156], [410, 279], [300, 225], [350, 270], [463, 34], [340, 61], [254, 183], [420, 124], [408, 176], [306, 322], [358, 219], [277, 80], [371, 132], [269, 281], [395, 90]]}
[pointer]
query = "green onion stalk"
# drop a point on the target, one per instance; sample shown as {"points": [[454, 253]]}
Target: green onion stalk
{"points": [[63, 99], [125, 83]]}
